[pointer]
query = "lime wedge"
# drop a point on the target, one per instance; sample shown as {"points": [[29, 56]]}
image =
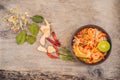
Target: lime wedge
{"points": [[104, 46]]}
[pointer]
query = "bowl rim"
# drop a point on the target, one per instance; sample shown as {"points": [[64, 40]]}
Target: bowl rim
{"points": [[90, 26]]}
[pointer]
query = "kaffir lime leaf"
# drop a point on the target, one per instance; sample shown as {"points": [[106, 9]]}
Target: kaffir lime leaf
{"points": [[37, 19]]}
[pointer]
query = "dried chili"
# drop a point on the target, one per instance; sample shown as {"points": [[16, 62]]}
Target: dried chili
{"points": [[53, 42], [55, 38], [51, 56]]}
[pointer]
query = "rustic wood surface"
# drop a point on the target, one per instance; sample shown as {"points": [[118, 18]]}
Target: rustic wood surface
{"points": [[65, 16]]}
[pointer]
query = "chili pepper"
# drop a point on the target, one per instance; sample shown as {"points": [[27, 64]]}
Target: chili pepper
{"points": [[53, 42], [55, 38], [58, 44], [51, 56], [57, 53]]}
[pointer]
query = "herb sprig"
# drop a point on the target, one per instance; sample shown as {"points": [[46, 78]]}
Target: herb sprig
{"points": [[65, 54]]}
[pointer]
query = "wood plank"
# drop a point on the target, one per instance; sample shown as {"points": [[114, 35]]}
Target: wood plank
{"points": [[65, 18]]}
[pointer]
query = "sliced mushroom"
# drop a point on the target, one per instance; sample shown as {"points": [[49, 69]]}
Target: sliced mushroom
{"points": [[47, 23], [42, 40], [47, 34], [45, 29]]}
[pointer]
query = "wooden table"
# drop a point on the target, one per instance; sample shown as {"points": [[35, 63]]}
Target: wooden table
{"points": [[65, 16]]}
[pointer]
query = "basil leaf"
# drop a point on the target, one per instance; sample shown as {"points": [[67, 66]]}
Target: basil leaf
{"points": [[31, 39], [21, 37], [33, 28], [37, 19]]}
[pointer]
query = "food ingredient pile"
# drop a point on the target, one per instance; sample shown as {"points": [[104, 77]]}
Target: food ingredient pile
{"points": [[27, 28]]}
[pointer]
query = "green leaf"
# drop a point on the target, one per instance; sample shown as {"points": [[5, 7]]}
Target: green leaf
{"points": [[21, 37], [33, 28], [37, 19], [31, 39]]}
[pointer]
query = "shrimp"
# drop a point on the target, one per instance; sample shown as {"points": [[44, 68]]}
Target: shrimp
{"points": [[76, 41], [89, 60], [100, 37], [78, 51], [91, 32], [97, 57], [97, 54], [81, 52]]}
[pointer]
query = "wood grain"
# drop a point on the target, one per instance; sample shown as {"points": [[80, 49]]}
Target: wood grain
{"points": [[65, 16]]}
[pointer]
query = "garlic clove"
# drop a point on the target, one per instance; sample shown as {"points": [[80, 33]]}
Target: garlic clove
{"points": [[42, 49]]}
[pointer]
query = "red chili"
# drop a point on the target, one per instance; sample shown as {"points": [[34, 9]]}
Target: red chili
{"points": [[58, 43], [55, 38], [51, 56], [57, 53], [53, 42]]}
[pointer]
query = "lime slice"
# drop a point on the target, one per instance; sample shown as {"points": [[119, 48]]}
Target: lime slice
{"points": [[104, 46]]}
